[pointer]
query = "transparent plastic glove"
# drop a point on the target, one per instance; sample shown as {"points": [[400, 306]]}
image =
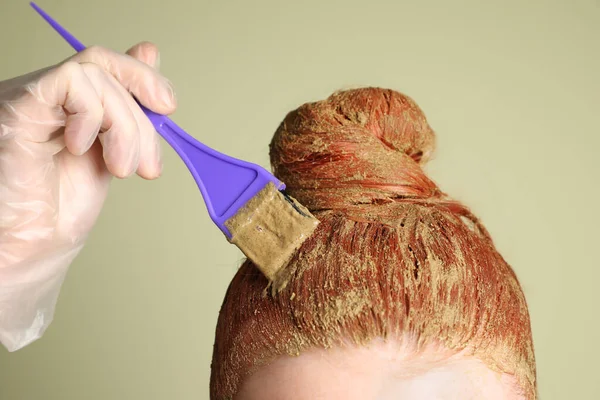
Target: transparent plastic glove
{"points": [[64, 132]]}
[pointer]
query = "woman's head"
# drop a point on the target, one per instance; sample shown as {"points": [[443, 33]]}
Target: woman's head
{"points": [[397, 274]]}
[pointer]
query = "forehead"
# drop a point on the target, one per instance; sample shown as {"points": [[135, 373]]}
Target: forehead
{"points": [[379, 372]]}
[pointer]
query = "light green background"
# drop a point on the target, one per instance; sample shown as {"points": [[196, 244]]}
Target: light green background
{"points": [[511, 87]]}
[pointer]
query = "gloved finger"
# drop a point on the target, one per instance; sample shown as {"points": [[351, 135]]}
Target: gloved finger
{"points": [[151, 89], [121, 134], [150, 165], [69, 86], [150, 151], [147, 53]]}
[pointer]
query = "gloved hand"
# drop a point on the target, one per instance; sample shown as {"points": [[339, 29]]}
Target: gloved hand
{"points": [[64, 132]]}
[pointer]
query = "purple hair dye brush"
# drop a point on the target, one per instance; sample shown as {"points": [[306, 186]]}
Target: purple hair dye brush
{"points": [[243, 199]]}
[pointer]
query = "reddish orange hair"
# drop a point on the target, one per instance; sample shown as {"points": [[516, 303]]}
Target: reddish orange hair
{"points": [[393, 256]]}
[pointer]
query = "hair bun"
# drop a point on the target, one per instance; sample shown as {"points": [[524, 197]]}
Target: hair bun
{"points": [[358, 146]]}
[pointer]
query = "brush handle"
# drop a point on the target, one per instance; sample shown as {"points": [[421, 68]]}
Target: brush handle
{"points": [[226, 183], [155, 118]]}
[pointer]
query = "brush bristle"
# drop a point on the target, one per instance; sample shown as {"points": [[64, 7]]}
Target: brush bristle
{"points": [[270, 228]]}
